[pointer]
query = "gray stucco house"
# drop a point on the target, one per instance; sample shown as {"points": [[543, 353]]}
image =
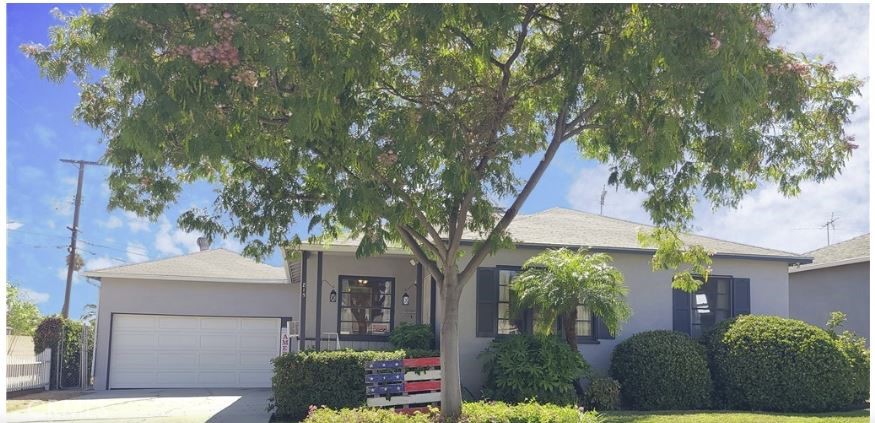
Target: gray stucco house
{"points": [[837, 280], [214, 319]]}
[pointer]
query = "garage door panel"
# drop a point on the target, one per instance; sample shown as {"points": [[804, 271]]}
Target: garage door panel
{"points": [[220, 342], [134, 379], [139, 360], [257, 324], [177, 322], [256, 342], [134, 321], [134, 340], [218, 323], [254, 360], [192, 351], [177, 341], [219, 360], [177, 361]]}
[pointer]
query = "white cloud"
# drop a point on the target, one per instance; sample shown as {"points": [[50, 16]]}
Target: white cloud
{"points": [[137, 252], [63, 205], [50, 224], [13, 225], [136, 223], [765, 217], [232, 244], [170, 240], [44, 135], [101, 262], [35, 297], [111, 223]]}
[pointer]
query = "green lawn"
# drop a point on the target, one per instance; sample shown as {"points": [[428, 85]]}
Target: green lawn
{"points": [[859, 416]]}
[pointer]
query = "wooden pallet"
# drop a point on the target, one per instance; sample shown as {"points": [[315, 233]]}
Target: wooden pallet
{"points": [[407, 386]]}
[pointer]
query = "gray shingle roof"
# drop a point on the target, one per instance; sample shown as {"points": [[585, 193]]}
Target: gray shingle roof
{"points": [[218, 265], [854, 250], [557, 227]]}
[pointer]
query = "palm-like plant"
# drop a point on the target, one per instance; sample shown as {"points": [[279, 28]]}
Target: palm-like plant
{"points": [[555, 282]]}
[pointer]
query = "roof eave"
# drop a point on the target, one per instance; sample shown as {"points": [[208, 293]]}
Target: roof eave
{"points": [[110, 275], [817, 266]]}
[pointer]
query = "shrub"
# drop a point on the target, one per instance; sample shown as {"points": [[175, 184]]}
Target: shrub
{"points": [[854, 348], [527, 412], [522, 367], [472, 412], [662, 370], [48, 333], [364, 415], [603, 393], [412, 353], [777, 364], [335, 379], [416, 337]]}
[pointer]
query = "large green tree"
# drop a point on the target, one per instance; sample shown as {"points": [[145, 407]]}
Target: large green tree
{"points": [[405, 122], [22, 315]]}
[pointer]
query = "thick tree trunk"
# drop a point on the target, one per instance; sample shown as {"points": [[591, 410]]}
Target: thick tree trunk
{"points": [[569, 331], [451, 386], [569, 321]]}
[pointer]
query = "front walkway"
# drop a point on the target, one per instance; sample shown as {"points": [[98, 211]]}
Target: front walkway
{"points": [[153, 406]]}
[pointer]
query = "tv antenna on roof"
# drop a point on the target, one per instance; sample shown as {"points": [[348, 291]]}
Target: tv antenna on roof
{"points": [[602, 201], [831, 223]]}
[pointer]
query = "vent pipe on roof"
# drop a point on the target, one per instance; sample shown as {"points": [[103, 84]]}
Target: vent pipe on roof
{"points": [[203, 243]]}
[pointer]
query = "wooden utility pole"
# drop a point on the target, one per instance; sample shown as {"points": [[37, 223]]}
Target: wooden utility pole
{"points": [[71, 258]]}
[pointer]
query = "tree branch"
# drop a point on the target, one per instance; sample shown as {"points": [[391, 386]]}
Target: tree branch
{"points": [[418, 253], [480, 252], [467, 40]]}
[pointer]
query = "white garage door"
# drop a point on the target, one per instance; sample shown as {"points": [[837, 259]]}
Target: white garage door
{"points": [[151, 351]]}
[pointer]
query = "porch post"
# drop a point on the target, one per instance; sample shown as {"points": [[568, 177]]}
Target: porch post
{"points": [[431, 315], [302, 342], [418, 293], [319, 301]]}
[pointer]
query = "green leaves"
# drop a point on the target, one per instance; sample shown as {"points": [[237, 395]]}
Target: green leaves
{"points": [[359, 113], [687, 261], [555, 282]]}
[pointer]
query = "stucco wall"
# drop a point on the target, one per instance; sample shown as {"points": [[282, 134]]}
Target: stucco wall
{"points": [[814, 294], [649, 297], [186, 298]]}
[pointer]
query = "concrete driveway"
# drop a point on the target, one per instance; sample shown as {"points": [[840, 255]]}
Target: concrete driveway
{"points": [[154, 406]]}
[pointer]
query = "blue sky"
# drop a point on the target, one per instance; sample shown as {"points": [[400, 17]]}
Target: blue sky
{"points": [[40, 189]]}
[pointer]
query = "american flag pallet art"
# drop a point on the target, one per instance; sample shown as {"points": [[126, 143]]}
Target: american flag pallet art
{"points": [[407, 386]]}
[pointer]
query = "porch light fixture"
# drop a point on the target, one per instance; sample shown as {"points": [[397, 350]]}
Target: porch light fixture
{"points": [[332, 297], [405, 299]]}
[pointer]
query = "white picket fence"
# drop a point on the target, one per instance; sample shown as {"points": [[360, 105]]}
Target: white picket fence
{"points": [[23, 372]]}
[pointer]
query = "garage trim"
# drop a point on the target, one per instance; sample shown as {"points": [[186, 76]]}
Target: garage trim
{"points": [[283, 321]]}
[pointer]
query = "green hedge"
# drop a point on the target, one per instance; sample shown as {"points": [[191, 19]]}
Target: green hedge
{"points": [[472, 412], [335, 379], [523, 367], [662, 370], [777, 364], [412, 337]]}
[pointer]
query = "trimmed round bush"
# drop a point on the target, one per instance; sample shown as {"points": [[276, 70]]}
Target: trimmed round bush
{"points": [[776, 364], [519, 368], [603, 394], [662, 370]]}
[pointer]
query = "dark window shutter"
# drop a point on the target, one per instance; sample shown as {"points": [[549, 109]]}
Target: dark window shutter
{"points": [[601, 331], [740, 296], [680, 305], [487, 302]]}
